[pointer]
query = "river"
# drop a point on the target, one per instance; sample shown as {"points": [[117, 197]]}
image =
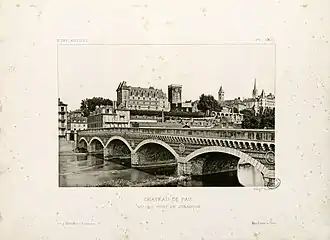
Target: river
{"points": [[90, 170]]}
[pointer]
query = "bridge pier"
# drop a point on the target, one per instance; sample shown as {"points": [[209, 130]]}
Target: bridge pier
{"points": [[106, 152], [67, 135], [134, 159], [269, 179], [89, 148], [183, 168], [75, 138]]}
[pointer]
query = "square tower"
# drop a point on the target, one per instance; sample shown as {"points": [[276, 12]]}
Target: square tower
{"points": [[175, 96]]}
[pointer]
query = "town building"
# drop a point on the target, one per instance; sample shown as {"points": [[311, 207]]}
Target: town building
{"points": [[136, 98], [256, 102], [108, 117], [62, 118], [76, 121], [75, 113]]}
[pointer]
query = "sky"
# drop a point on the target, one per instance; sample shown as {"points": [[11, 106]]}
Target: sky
{"points": [[86, 71]]}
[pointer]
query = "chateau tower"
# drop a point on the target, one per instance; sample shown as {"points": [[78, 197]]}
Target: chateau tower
{"points": [[175, 96]]}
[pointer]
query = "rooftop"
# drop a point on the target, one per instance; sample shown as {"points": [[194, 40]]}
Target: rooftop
{"points": [[60, 103]]}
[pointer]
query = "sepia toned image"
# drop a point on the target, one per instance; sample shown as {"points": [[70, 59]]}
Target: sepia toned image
{"points": [[159, 119], [166, 115]]}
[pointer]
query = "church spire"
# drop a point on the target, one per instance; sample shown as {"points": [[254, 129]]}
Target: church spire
{"points": [[263, 94], [255, 91], [221, 95]]}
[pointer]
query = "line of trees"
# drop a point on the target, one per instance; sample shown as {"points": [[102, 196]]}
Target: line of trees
{"points": [[88, 105], [264, 118], [208, 103]]}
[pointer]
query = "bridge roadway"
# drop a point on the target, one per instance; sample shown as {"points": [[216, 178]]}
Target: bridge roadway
{"points": [[252, 146]]}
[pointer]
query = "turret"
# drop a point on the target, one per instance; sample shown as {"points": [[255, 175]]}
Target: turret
{"points": [[262, 95]]}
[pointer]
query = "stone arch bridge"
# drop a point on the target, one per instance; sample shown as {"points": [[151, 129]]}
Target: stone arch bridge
{"points": [[146, 147]]}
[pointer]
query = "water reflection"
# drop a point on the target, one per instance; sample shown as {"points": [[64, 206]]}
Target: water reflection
{"points": [[224, 179], [91, 170]]}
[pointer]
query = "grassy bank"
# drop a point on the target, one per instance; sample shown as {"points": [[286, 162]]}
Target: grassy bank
{"points": [[159, 182]]}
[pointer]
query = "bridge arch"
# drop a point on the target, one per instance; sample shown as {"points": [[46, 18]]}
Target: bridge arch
{"points": [[159, 142], [120, 139], [243, 157], [98, 139], [83, 139]]}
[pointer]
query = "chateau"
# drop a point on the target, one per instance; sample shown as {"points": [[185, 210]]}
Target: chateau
{"points": [[136, 98]]}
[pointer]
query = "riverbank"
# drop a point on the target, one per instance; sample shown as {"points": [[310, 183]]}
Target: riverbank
{"points": [[66, 148], [161, 181], [72, 154]]}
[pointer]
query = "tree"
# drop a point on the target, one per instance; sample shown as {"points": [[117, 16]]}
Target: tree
{"points": [[207, 102], [249, 120], [265, 118], [268, 118], [88, 105]]}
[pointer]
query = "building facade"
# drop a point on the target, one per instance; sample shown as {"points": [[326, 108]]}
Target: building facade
{"points": [[108, 117], [62, 118], [136, 98], [76, 121]]}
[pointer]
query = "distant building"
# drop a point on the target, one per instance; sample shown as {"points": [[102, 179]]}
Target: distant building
{"points": [[266, 101], [75, 113], [256, 102], [136, 98], [76, 121], [108, 117], [62, 118], [175, 100], [194, 106], [187, 106]]}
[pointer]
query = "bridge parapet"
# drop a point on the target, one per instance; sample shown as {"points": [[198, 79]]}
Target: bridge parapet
{"points": [[235, 134]]}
